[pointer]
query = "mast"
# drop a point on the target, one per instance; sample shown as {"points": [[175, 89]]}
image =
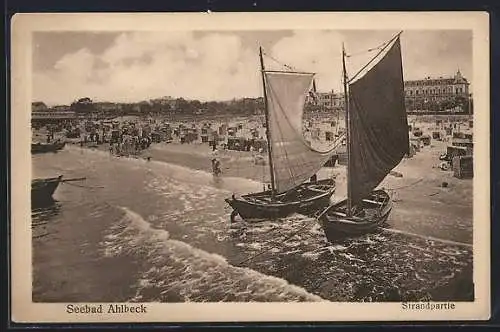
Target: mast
{"points": [[470, 103], [266, 112], [338, 114], [347, 129]]}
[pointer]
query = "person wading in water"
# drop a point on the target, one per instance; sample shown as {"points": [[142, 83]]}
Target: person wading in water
{"points": [[216, 169]]}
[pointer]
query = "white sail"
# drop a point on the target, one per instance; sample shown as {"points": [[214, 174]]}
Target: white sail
{"points": [[294, 160]]}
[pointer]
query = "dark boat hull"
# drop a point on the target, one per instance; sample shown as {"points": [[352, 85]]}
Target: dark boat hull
{"points": [[371, 214], [306, 199], [46, 147], [43, 189]]}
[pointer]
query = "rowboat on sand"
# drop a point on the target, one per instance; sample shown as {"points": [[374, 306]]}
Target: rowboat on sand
{"points": [[47, 147]]}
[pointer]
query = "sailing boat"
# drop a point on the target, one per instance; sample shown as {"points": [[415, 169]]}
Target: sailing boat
{"points": [[377, 141], [292, 160]]}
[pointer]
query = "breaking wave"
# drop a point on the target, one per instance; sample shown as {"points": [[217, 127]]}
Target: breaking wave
{"points": [[175, 271]]}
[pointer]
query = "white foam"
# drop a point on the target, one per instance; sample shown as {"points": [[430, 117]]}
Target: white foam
{"points": [[201, 270], [311, 255], [351, 257], [255, 246], [336, 247]]}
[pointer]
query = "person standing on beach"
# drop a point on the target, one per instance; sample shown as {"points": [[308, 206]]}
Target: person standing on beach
{"points": [[215, 154]]}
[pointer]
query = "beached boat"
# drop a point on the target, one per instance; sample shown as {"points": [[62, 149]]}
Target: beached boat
{"points": [[43, 189], [292, 160], [454, 151], [47, 147], [377, 141]]}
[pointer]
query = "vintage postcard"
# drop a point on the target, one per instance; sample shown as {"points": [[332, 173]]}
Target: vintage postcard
{"points": [[213, 167]]}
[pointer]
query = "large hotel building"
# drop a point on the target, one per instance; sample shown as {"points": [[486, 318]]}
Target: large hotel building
{"points": [[419, 94]]}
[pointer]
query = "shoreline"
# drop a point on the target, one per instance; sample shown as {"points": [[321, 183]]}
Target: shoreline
{"points": [[419, 188], [196, 156]]}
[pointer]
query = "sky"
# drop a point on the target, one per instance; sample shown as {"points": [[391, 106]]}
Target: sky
{"points": [[212, 65]]}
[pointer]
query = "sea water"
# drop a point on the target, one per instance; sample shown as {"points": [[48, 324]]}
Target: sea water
{"points": [[153, 232]]}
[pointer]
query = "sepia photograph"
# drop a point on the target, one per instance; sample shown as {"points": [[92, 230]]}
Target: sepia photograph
{"points": [[239, 161]]}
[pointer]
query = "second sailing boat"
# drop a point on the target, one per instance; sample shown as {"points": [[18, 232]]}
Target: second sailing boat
{"points": [[377, 140], [292, 160]]}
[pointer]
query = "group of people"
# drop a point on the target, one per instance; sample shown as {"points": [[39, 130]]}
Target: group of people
{"points": [[128, 144], [50, 137], [92, 137]]}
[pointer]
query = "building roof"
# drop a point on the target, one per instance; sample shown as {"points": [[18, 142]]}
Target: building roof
{"points": [[457, 79]]}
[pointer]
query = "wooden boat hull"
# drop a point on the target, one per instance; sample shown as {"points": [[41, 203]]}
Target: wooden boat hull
{"points": [[43, 189], [306, 199], [46, 147], [367, 218]]}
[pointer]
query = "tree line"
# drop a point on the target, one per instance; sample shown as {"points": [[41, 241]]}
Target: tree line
{"points": [[178, 106]]}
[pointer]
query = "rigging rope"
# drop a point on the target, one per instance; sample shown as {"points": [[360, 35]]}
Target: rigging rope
{"points": [[369, 50], [278, 62], [80, 186], [406, 186], [381, 49]]}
